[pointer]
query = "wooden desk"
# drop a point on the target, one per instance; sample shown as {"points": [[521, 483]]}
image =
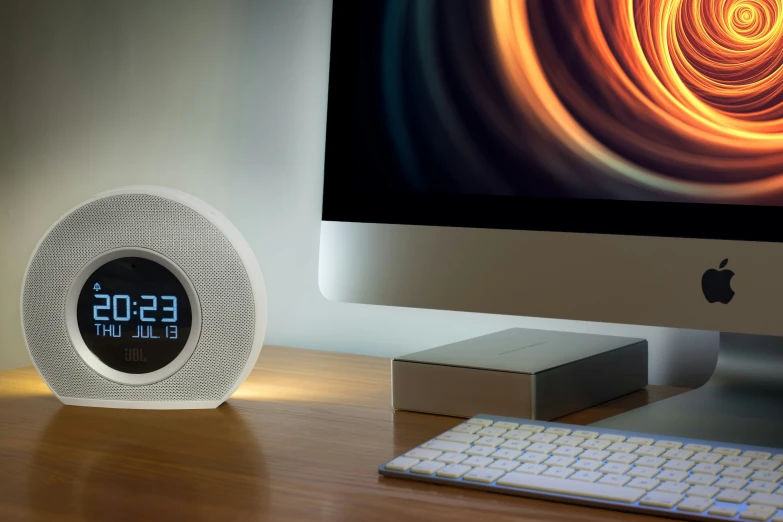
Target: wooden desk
{"points": [[301, 440]]}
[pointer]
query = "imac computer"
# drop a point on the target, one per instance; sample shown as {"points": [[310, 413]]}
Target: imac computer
{"points": [[609, 161]]}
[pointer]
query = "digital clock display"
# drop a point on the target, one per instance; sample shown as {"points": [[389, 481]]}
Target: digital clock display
{"points": [[134, 315]]}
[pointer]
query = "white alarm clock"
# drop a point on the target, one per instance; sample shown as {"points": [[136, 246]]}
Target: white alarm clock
{"points": [[144, 297]]}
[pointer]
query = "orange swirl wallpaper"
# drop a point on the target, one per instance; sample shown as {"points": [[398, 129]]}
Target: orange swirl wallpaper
{"points": [[670, 101], [690, 92]]}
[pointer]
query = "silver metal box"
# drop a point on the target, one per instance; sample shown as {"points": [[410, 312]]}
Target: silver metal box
{"points": [[533, 374]]}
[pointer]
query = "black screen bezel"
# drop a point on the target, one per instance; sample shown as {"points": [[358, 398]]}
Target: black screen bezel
{"points": [[344, 201]]}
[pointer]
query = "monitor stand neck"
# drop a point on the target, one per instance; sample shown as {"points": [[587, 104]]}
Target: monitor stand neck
{"points": [[741, 403]]}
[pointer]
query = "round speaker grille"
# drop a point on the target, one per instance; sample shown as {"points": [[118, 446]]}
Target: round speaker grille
{"points": [[183, 236]]}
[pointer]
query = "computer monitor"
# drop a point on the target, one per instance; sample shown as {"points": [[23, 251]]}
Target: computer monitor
{"points": [[602, 161]]}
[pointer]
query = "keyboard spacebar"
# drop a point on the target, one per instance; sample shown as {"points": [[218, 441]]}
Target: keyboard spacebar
{"points": [[572, 487]]}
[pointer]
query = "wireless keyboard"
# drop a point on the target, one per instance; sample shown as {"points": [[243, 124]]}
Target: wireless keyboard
{"points": [[664, 476]]}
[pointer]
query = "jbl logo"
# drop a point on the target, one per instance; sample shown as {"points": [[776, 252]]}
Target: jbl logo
{"points": [[134, 355]]}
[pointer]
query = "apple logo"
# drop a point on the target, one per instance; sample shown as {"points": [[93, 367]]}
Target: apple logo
{"points": [[716, 284]]}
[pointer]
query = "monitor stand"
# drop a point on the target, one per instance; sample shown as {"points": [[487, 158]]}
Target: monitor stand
{"points": [[742, 402]]}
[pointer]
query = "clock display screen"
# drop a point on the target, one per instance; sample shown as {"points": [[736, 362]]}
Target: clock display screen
{"points": [[134, 315]]}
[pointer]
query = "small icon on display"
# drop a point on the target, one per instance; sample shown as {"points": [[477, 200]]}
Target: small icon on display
{"points": [[97, 287], [716, 284]]}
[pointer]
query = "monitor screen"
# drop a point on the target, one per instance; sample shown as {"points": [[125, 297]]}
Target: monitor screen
{"points": [[600, 116]]}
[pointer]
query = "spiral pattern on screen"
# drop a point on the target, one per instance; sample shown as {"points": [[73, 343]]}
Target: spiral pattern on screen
{"points": [[675, 97]]}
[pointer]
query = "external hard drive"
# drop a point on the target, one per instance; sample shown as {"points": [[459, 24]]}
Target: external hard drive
{"points": [[533, 374]]}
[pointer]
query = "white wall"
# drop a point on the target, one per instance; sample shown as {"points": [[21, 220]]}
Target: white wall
{"points": [[225, 99]]}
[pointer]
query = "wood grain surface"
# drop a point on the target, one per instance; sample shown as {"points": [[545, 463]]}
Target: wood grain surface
{"points": [[301, 440]]}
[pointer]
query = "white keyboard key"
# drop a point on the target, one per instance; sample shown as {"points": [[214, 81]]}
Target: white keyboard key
{"points": [[668, 444], [543, 438], [505, 465], [733, 496], [768, 476], [492, 432], [539, 447], [517, 435], [678, 465], [442, 445], [677, 455], [615, 469], [731, 483], [757, 455], [402, 464], [650, 451], [480, 451], [560, 432], [611, 437], [506, 425], [562, 473], [724, 511], [767, 500], [567, 451], [470, 429], [586, 476], [531, 469], [728, 452], [706, 458], [643, 483], [707, 469], [427, 467], [480, 422], [568, 441], [595, 444], [695, 504], [533, 458], [734, 472], [489, 441], [622, 458], [677, 488], [759, 486], [622, 447], [586, 434], [423, 454], [640, 441], [506, 454], [595, 455], [764, 465], [484, 475], [642, 472], [758, 513], [738, 462], [703, 491], [651, 462], [455, 436], [559, 462], [779, 458], [478, 462], [587, 465], [518, 445], [535, 428], [572, 487], [454, 471], [701, 480], [615, 480], [452, 458], [698, 448], [672, 476], [658, 499]]}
